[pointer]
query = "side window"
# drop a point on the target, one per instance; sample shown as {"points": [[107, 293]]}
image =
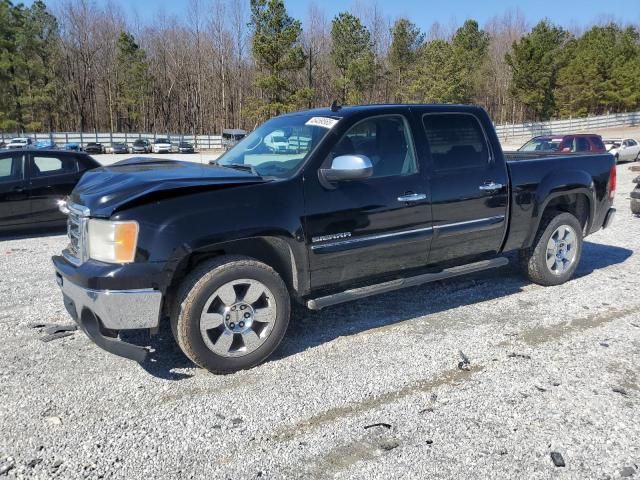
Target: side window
{"points": [[10, 168], [456, 141], [386, 141], [597, 144], [582, 145], [44, 166], [632, 143]]}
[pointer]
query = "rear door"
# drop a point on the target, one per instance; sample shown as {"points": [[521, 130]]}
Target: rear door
{"points": [[370, 228], [469, 189], [631, 150], [52, 178], [14, 194]]}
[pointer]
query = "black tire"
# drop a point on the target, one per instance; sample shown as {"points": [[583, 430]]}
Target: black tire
{"points": [[197, 288], [534, 260], [635, 206]]}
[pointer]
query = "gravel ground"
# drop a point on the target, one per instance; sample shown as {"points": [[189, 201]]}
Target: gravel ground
{"points": [[550, 370]]}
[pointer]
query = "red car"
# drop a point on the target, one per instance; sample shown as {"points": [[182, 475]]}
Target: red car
{"points": [[583, 142]]}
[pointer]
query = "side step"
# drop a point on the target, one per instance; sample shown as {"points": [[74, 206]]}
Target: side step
{"points": [[363, 292]]}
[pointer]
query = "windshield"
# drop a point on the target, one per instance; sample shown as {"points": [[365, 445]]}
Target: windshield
{"points": [[162, 140], [541, 145], [278, 147]]}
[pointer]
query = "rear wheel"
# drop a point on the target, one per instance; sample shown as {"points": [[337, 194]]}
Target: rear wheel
{"points": [[556, 251], [635, 206], [231, 314]]}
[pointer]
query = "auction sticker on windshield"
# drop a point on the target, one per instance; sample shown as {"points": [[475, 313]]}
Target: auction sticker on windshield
{"points": [[324, 122]]}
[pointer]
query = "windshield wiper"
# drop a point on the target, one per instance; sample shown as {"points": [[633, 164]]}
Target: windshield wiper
{"points": [[239, 166]]}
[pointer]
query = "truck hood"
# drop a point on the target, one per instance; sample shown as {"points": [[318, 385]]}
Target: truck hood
{"points": [[107, 189]]}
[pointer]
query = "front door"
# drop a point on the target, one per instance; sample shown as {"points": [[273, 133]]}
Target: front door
{"points": [[468, 187], [367, 228], [14, 195]]}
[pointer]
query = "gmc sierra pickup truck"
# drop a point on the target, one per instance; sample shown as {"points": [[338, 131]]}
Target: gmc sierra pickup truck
{"points": [[355, 201]]}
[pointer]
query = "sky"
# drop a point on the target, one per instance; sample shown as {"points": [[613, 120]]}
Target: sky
{"points": [[425, 12], [568, 13]]}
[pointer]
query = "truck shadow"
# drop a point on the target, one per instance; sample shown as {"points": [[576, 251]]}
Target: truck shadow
{"points": [[311, 329]]}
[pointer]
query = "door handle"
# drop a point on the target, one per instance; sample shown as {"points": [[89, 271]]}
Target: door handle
{"points": [[412, 197], [491, 187], [19, 189]]}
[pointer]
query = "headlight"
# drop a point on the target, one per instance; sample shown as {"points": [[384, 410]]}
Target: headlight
{"points": [[113, 242]]}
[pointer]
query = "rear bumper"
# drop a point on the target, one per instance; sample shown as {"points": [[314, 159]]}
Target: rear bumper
{"points": [[608, 219], [101, 313]]}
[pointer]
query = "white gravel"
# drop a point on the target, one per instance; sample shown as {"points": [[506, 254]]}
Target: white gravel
{"points": [[544, 363]]}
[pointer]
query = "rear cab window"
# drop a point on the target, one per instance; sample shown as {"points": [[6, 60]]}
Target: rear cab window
{"points": [[456, 141], [48, 166]]}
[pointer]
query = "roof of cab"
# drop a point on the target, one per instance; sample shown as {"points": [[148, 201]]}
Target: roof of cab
{"points": [[354, 109]]}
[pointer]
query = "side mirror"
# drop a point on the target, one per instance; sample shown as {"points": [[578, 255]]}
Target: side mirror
{"points": [[348, 167]]}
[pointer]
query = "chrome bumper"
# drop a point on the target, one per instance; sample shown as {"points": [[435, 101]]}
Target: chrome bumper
{"points": [[116, 309]]}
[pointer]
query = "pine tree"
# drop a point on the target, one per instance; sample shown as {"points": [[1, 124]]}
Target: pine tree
{"points": [[535, 62], [403, 52], [132, 81], [279, 55], [352, 54]]}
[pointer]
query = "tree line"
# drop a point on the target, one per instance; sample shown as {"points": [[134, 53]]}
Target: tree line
{"points": [[229, 64]]}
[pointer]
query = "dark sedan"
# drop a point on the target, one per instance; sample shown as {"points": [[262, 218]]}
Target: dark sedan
{"points": [[32, 182], [185, 147], [94, 148], [119, 148]]}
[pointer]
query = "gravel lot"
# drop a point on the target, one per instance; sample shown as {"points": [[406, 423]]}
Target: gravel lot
{"points": [[551, 370]]}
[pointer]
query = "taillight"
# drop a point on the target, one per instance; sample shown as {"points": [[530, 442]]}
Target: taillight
{"points": [[612, 182]]}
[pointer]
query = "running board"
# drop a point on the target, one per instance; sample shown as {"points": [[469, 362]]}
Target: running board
{"points": [[363, 292]]}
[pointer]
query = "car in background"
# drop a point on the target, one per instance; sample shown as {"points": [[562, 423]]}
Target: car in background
{"points": [[45, 145], [94, 147], [277, 142], [119, 147], [19, 142], [185, 147], [142, 145], [33, 182], [71, 146], [624, 149], [162, 145], [232, 136], [574, 143]]}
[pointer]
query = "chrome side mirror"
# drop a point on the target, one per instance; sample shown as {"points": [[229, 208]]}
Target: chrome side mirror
{"points": [[348, 167]]}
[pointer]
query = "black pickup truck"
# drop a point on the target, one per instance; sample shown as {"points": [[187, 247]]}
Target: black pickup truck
{"points": [[319, 208]]}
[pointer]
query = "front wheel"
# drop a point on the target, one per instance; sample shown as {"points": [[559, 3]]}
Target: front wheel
{"points": [[635, 206], [556, 251], [230, 314]]}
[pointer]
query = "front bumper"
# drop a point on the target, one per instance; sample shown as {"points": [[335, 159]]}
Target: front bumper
{"points": [[101, 312]]}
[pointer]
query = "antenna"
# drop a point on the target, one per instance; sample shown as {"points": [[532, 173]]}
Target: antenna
{"points": [[335, 107]]}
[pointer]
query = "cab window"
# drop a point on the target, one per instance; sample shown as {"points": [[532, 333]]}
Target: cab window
{"points": [[10, 168], [385, 140], [456, 141], [46, 166]]}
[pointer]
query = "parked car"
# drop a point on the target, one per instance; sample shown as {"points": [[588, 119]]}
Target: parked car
{"points": [[185, 147], [73, 146], [94, 147], [32, 182], [141, 145], [162, 145], [624, 149], [277, 142], [232, 136], [383, 197], [577, 143], [45, 145], [119, 147], [20, 142]]}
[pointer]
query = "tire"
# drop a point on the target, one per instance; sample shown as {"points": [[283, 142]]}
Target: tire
{"points": [[217, 326], [635, 206], [556, 250]]}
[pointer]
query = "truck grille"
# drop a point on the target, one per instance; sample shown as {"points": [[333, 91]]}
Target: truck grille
{"points": [[77, 217]]}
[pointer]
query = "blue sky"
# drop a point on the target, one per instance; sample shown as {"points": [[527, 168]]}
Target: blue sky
{"points": [[424, 12]]}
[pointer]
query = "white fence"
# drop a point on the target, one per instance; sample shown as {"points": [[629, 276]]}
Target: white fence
{"points": [[505, 132], [594, 124], [203, 142]]}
